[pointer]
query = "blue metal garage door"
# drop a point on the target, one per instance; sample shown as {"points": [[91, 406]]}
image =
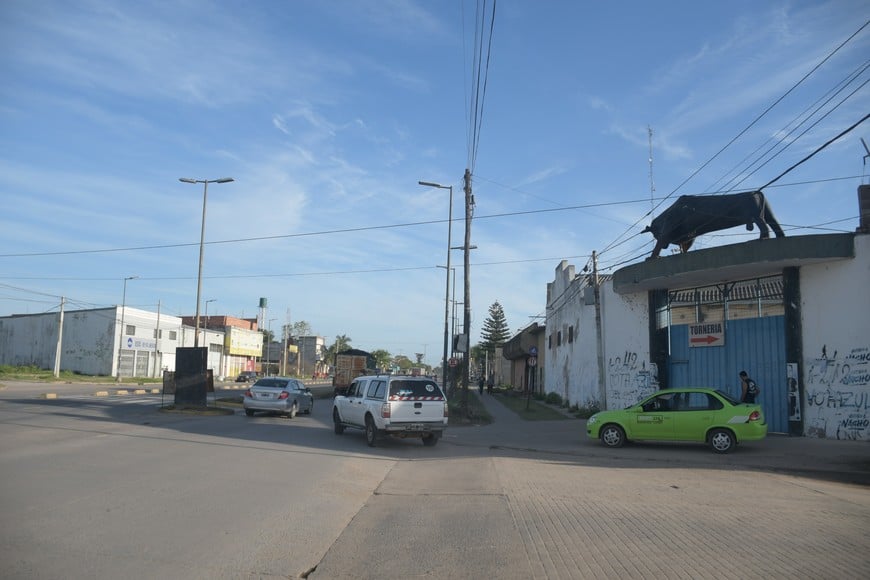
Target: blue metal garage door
{"points": [[756, 345]]}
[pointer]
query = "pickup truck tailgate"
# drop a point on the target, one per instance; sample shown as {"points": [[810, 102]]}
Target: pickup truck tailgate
{"points": [[416, 401]]}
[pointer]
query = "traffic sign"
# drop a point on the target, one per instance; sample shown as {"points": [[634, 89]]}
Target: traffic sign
{"points": [[533, 351], [533, 361]]}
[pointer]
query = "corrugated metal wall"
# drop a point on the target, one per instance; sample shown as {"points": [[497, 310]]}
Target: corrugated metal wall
{"points": [[756, 345]]}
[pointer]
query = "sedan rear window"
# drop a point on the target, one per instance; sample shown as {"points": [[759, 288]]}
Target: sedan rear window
{"points": [[415, 390], [272, 383]]}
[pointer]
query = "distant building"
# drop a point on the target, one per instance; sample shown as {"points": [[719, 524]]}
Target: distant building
{"points": [[92, 342]]}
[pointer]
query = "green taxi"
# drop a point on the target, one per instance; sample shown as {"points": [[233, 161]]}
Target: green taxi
{"points": [[691, 414]]}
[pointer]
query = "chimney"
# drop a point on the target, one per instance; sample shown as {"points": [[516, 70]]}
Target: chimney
{"points": [[863, 209]]}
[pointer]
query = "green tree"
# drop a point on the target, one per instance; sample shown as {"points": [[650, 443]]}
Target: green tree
{"points": [[342, 342], [403, 362], [300, 328], [382, 358], [495, 331]]}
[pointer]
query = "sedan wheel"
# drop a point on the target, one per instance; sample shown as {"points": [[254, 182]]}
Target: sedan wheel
{"points": [[612, 436], [722, 440], [310, 408], [371, 431], [293, 410], [249, 412]]}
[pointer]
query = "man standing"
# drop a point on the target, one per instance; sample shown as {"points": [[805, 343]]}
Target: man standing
{"points": [[749, 390]]}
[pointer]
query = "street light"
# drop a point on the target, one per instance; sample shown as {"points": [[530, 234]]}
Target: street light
{"points": [[204, 183], [447, 269], [121, 337], [269, 344]]}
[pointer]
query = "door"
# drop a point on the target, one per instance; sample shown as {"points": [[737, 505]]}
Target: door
{"points": [[655, 420], [351, 405], [694, 414], [756, 345]]}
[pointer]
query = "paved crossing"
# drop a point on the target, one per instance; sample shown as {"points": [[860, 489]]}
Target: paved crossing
{"points": [[115, 399]]}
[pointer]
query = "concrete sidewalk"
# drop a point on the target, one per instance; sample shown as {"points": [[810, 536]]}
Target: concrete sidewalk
{"points": [[843, 461]]}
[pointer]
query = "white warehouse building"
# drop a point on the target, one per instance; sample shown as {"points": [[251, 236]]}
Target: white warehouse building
{"points": [[92, 342]]}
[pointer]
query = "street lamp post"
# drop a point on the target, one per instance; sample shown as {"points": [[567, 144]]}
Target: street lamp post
{"points": [[447, 268], [121, 334], [204, 183], [269, 345]]}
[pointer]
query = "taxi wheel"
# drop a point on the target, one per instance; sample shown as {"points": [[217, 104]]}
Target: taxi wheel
{"points": [[371, 431], [612, 436], [722, 440]]}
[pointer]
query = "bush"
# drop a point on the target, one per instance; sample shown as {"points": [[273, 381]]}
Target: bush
{"points": [[587, 410], [553, 398]]}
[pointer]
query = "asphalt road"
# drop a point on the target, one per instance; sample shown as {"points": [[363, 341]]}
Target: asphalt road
{"points": [[110, 487]]}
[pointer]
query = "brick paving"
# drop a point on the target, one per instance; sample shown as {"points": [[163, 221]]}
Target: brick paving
{"points": [[673, 519]]}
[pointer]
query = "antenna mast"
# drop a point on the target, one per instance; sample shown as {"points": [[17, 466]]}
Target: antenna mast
{"points": [[652, 185]]}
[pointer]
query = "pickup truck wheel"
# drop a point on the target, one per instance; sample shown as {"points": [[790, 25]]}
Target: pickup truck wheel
{"points": [[430, 440], [371, 431], [336, 421]]}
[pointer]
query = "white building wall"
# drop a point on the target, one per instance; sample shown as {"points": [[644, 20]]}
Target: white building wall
{"points": [[91, 339], [629, 374], [29, 340], [835, 307], [571, 364]]}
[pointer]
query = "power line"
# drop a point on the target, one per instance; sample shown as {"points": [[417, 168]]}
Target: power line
{"points": [[381, 226], [740, 134]]}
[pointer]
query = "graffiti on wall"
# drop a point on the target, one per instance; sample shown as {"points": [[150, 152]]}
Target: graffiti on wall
{"points": [[629, 378], [837, 400]]}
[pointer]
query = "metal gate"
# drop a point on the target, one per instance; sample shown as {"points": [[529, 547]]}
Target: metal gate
{"points": [[756, 345]]}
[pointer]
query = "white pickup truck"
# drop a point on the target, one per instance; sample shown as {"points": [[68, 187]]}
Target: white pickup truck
{"points": [[395, 405]]}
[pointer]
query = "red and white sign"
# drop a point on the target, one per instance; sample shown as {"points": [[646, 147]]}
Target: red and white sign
{"points": [[707, 334]]}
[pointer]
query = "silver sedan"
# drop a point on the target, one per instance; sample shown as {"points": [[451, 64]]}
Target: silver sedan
{"points": [[280, 395]]}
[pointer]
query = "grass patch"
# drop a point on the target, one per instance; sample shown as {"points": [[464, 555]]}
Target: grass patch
{"points": [[477, 414], [32, 373], [535, 412], [232, 401], [203, 411]]}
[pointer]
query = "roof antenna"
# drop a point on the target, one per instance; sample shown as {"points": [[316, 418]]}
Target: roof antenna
{"points": [[652, 185], [867, 149]]}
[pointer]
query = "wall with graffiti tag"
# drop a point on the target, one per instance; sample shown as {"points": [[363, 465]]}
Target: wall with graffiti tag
{"points": [[835, 308], [837, 398], [629, 374]]}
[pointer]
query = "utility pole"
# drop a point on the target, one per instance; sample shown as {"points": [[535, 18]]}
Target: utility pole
{"points": [[599, 334], [59, 338], [466, 319], [157, 342]]}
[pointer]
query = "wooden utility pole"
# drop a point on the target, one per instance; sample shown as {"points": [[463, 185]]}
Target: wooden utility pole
{"points": [[466, 319]]}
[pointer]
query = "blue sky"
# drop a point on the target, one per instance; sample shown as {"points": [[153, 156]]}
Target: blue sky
{"points": [[328, 113]]}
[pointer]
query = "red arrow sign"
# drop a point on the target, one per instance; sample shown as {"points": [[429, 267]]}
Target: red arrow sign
{"points": [[708, 339]]}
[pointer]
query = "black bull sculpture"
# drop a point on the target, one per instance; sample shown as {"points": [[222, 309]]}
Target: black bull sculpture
{"points": [[694, 215]]}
